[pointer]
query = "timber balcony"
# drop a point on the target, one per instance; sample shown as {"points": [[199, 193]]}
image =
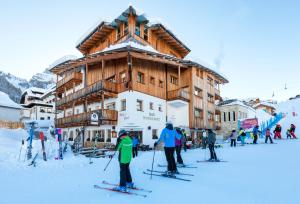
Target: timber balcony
{"points": [[105, 117], [69, 81], [178, 94], [89, 92]]}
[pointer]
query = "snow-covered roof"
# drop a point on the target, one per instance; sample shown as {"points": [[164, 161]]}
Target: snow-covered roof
{"points": [[62, 60], [7, 102], [264, 103], [232, 102], [48, 91]]}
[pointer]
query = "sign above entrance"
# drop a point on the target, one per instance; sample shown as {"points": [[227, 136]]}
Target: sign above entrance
{"points": [[94, 118]]}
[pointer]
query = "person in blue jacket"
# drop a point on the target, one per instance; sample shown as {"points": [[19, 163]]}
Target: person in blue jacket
{"points": [[168, 136], [135, 146], [255, 132]]}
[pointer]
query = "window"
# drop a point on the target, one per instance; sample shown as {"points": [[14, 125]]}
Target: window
{"points": [[229, 116], [139, 105], [42, 118], [161, 84], [123, 77], [233, 113], [198, 113], [160, 108], [151, 106], [118, 33], [123, 105], [198, 92], [210, 116], [217, 85], [42, 110], [174, 80], [108, 139], [152, 80], [210, 98], [111, 106], [137, 29], [224, 117], [210, 81], [112, 79], [48, 117], [49, 110], [146, 33], [125, 28], [154, 134], [140, 77], [77, 111], [199, 73]]}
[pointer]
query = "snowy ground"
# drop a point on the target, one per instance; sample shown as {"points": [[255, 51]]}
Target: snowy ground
{"points": [[254, 174]]}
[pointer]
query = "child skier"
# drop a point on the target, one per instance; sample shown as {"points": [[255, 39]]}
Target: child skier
{"points": [[135, 145], [124, 146], [242, 134], [255, 134], [168, 136], [268, 136], [292, 131], [184, 140], [178, 145], [277, 132], [233, 137], [211, 139]]}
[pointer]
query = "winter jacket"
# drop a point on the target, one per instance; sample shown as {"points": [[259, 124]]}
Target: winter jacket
{"points": [[135, 142], [168, 136], [233, 135], [268, 133], [277, 128], [255, 131], [125, 150], [211, 139], [242, 133]]}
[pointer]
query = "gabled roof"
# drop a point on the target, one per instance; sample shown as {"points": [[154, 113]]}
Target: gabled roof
{"points": [[264, 103], [104, 28]]}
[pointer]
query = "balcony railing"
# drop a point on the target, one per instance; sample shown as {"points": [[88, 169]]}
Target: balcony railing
{"points": [[94, 88], [76, 76], [178, 94], [104, 117]]}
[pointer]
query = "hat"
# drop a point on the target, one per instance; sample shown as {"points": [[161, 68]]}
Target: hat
{"points": [[122, 132]]}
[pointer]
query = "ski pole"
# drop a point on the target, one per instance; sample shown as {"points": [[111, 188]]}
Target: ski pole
{"points": [[110, 160], [152, 162]]}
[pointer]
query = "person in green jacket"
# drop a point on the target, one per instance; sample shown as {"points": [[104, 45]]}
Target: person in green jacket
{"points": [[124, 146]]}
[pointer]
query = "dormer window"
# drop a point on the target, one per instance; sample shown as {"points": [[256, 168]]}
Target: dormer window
{"points": [[125, 28], [146, 33], [137, 29]]}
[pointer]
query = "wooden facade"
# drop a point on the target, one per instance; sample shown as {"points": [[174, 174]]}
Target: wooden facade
{"points": [[163, 74]]}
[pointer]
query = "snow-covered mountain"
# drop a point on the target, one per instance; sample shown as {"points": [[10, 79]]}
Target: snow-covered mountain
{"points": [[14, 86]]}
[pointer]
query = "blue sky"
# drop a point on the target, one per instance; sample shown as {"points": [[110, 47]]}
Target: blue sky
{"points": [[257, 43]]}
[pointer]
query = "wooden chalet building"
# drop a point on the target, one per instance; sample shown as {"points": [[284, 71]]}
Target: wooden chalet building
{"points": [[133, 76]]}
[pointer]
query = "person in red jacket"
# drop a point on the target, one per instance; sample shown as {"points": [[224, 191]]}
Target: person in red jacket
{"points": [[292, 131], [277, 132], [268, 136]]}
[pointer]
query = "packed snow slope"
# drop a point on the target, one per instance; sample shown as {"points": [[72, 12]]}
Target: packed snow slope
{"points": [[254, 174]]}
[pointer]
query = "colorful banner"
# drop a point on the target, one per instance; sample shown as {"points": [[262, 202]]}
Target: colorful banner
{"points": [[248, 123]]}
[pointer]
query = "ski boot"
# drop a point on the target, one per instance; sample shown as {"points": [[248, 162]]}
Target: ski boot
{"points": [[180, 165], [121, 189], [130, 185], [169, 174]]}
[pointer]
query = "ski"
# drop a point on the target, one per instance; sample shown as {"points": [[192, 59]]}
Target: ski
{"points": [[114, 190], [42, 138], [183, 174], [135, 188], [211, 161], [167, 176], [33, 162], [179, 166]]}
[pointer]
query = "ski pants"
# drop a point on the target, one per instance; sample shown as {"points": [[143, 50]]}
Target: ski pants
{"points": [[213, 154], [134, 152], [233, 142], [243, 139], [169, 152], [268, 138], [178, 154], [293, 134], [125, 176], [288, 135], [277, 134], [255, 139], [184, 147]]}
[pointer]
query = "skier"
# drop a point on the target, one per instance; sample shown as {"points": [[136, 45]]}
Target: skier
{"points": [[233, 137], [211, 139], [135, 146], [292, 131], [255, 132], [168, 136], [204, 139], [184, 139], [124, 146], [277, 132], [288, 134], [268, 136], [242, 134], [178, 145]]}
